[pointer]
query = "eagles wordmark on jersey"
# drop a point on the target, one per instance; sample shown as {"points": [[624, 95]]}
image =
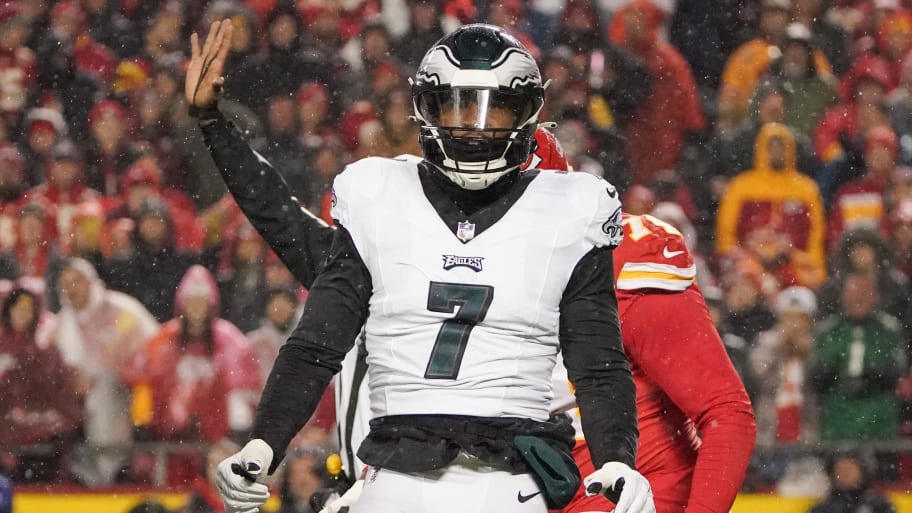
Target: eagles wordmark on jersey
{"points": [[459, 326]]}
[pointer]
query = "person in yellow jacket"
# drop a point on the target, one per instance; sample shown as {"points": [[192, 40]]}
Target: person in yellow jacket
{"points": [[775, 212], [749, 62]]}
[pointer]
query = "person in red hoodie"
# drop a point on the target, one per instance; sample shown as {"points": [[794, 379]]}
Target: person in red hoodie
{"points": [[40, 401], [197, 379], [659, 126]]}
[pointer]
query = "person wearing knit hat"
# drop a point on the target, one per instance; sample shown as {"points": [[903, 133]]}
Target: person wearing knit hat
{"points": [[796, 299], [42, 127], [861, 203], [778, 361]]}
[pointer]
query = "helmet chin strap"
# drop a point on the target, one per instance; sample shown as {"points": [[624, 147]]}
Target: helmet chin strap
{"points": [[472, 181]]}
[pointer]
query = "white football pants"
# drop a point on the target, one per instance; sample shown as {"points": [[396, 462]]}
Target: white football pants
{"points": [[465, 485]]}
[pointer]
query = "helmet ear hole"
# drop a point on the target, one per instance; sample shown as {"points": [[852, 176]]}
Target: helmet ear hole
{"points": [[477, 95]]}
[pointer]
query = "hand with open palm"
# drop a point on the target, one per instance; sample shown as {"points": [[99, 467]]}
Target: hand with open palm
{"points": [[203, 84]]}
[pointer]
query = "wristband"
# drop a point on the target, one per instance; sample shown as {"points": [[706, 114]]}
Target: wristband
{"points": [[203, 113]]}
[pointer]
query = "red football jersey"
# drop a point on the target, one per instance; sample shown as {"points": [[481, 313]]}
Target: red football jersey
{"points": [[685, 382]]}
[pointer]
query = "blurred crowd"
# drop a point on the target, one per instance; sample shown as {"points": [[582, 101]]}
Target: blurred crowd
{"points": [[138, 304]]}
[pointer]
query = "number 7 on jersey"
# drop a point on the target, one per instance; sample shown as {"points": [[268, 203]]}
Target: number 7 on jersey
{"points": [[472, 302]]}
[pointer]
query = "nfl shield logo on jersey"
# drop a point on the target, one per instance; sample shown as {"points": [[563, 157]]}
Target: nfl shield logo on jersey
{"points": [[465, 231]]}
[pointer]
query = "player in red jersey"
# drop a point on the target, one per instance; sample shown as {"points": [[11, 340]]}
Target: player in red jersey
{"points": [[684, 379]]}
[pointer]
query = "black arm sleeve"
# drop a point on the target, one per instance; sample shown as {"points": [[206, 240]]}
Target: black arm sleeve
{"points": [[590, 336], [333, 315], [300, 239]]}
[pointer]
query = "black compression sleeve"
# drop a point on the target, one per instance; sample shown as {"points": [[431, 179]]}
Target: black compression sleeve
{"points": [[593, 352], [335, 310], [299, 239]]}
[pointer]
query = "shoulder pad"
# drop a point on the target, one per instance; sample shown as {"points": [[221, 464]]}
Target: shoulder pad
{"points": [[604, 229], [363, 179], [652, 256]]}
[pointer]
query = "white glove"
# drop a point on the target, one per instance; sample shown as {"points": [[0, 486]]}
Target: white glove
{"points": [[614, 477], [236, 478], [348, 499]]}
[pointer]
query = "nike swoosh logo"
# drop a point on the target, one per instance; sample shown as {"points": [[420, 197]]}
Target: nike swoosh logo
{"points": [[670, 254], [523, 498]]}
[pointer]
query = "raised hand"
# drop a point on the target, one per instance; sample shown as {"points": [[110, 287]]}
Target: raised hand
{"points": [[203, 84]]}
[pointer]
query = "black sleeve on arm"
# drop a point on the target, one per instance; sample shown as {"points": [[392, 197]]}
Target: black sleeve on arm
{"points": [[590, 336], [335, 310], [300, 239]]}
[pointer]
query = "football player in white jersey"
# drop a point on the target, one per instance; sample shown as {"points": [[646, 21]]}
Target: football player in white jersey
{"points": [[468, 278]]}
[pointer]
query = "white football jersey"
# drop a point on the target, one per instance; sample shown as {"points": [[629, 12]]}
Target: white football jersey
{"points": [[467, 324]]}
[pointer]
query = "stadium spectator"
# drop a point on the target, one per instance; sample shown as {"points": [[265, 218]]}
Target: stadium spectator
{"points": [[35, 246], [97, 330], [862, 203], [901, 239], [277, 322], [197, 378], [894, 41], [809, 91], [746, 309], [775, 212], [851, 487], [280, 60], [242, 277], [142, 182], [313, 114], [64, 187], [392, 133], [864, 251], [152, 267], [785, 411], [826, 34], [110, 28], [17, 62], [12, 186], [899, 103], [162, 38], [748, 62], [863, 90], [111, 149], [40, 400], [44, 127], [282, 133], [305, 474], [658, 128], [424, 30], [734, 149], [858, 357]]}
